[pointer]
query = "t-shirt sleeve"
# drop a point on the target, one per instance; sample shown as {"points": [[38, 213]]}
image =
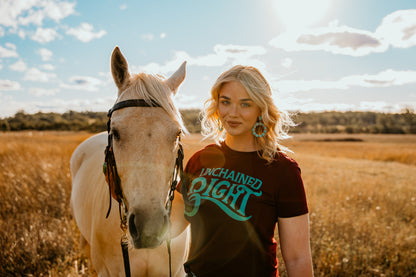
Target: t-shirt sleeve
{"points": [[291, 197]]}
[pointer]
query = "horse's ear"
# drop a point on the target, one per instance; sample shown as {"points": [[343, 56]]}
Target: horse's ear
{"points": [[119, 68], [177, 78]]}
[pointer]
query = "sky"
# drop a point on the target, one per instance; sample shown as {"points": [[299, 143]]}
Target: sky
{"points": [[320, 55]]}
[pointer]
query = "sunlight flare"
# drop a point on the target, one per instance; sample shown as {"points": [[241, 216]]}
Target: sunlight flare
{"points": [[300, 14]]}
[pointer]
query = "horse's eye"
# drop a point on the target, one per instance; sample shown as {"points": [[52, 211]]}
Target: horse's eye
{"points": [[116, 134]]}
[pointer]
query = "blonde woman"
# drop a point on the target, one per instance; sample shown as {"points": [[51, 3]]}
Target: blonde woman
{"points": [[238, 189]]}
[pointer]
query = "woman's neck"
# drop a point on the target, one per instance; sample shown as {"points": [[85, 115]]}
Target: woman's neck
{"points": [[242, 144]]}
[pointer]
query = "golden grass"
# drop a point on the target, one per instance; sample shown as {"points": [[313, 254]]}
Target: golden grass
{"points": [[362, 199], [38, 234]]}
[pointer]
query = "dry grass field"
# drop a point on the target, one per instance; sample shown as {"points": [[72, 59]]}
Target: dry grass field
{"points": [[361, 191]]}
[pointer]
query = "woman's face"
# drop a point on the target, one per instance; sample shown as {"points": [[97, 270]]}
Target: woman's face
{"points": [[237, 111]]}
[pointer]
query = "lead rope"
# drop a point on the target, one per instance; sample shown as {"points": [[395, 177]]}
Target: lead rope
{"points": [[177, 171], [124, 240]]}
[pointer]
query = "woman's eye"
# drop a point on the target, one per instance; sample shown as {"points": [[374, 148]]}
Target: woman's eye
{"points": [[245, 105], [225, 102]]}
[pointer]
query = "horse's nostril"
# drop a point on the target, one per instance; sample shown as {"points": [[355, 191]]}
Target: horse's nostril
{"points": [[132, 227]]}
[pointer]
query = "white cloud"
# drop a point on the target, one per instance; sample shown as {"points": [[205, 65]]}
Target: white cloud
{"points": [[58, 10], [311, 105], [43, 91], [123, 7], [21, 34], [334, 39], [9, 106], [386, 78], [85, 83], [235, 54], [287, 62], [45, 54], [35, 75], [151, 37], [34, 17], [44, 35], [18, 66], [9, 51], [399, 28], [147, 37], [9, 85], [48, 66], [11, 9], [24, 12], [222, 55], [85, 32]]}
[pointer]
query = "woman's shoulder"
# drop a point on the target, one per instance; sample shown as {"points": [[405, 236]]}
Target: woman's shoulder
{"points": [[210, 149], [210, 155], [283, 160]]}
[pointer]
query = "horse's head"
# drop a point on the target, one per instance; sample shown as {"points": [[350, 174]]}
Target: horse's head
{"points": [[145, 143]]}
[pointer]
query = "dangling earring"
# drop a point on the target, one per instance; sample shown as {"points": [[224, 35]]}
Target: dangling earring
{"points": [[220, 126], [259, 124]]}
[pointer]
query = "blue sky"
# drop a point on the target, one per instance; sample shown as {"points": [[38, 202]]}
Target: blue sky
{"points": [[343, 55]]}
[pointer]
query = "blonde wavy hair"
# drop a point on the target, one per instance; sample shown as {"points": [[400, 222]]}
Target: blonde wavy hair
{"points": [[277, 121]]}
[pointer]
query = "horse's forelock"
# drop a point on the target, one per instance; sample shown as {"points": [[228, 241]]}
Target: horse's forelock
{"points": [[148, 86]]}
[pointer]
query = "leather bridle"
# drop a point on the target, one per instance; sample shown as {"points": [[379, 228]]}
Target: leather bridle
{"points": [[114, 182]]}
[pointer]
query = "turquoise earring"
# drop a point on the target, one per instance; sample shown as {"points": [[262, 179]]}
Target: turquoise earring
{"points": [[220, 126], [259, 124]]}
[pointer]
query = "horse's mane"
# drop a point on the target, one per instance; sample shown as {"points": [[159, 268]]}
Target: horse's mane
{"points": [[152, 88]]}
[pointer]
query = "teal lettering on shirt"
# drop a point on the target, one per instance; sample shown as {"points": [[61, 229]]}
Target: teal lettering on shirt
{"points": [[229, 190]]}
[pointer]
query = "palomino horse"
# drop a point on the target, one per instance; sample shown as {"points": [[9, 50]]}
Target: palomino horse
{"points": [[145, 141]]}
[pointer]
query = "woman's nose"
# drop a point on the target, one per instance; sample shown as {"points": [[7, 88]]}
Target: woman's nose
{"points": [[234, 109]]}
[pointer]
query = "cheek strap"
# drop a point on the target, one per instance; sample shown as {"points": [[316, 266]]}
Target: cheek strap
{"points": [[111, 175]]}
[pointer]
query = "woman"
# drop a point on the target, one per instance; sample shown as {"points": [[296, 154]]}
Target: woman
{"points": [[236, 190]]}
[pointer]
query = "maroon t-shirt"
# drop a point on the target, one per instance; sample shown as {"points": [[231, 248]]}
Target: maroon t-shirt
{"points": [[235, 199]]}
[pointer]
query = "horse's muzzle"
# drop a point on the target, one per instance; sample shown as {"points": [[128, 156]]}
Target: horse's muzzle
{"points": [[148, 231]]}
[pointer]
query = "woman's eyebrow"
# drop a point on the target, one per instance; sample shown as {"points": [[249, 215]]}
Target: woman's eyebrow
{"points": [[246, 100], [241, 100]]}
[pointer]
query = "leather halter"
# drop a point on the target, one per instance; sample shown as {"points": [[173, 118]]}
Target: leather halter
{"points": [[114, 182], [109, 167]]}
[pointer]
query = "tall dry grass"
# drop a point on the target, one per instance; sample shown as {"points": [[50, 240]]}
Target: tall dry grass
{"points": [[38, 236], [362, 198], [362, 204]]}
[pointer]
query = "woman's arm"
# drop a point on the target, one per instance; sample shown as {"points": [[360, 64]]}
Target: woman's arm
{"points": [[295, 245]]}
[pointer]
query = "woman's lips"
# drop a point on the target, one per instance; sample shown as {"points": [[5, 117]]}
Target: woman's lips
{"points": [[233, 124]]}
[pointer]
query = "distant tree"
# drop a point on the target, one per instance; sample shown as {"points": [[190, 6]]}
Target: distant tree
{"points": [[314, 122]]}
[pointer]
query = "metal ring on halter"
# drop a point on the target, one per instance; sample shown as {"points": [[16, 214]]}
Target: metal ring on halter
{"points": [[257, 124]]}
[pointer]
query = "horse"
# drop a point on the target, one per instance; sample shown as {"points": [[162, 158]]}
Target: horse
{"points": [[145, 142]]}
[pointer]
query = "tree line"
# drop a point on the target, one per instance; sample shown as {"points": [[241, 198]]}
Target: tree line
{"points": [[313, 122]]}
